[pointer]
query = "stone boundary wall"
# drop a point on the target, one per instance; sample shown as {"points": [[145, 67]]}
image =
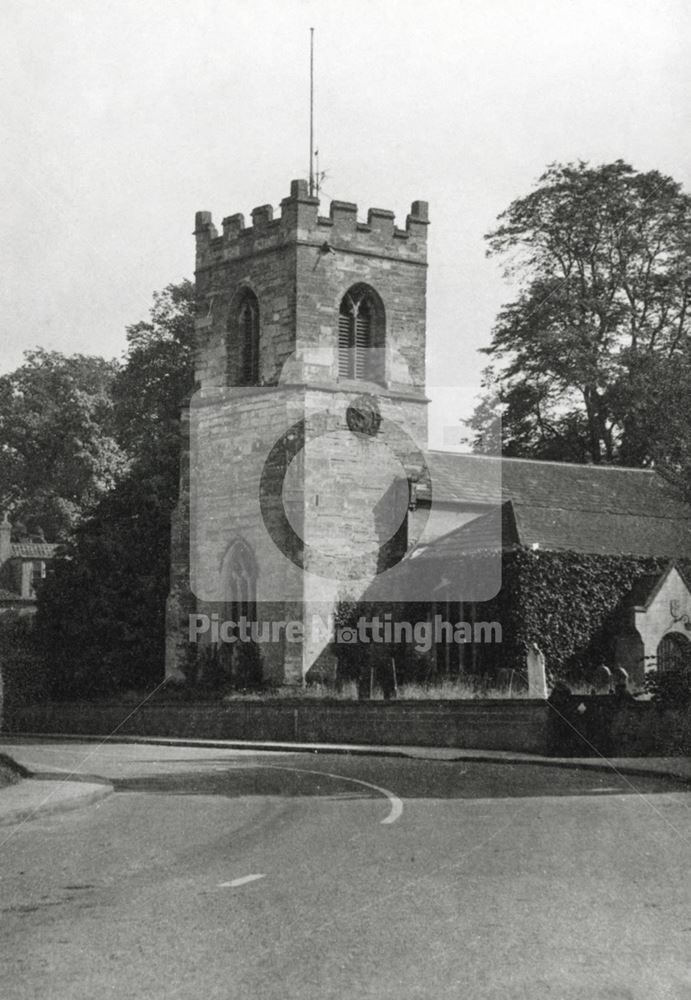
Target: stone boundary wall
{"points": [[605, 727], [488, 725]]}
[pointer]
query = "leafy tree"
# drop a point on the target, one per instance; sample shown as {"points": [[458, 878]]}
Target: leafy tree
{"points": [[601, 321], [661, 402], [671, 689], [58, 452], [157, 376], [101, 614], [101, 610]]}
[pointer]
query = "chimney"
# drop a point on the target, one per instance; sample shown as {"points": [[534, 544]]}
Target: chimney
{"points": [[5, 539]]}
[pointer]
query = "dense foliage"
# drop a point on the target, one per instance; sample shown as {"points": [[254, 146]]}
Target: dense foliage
{"points": [[566, 602], [101, 614], [22, 670], [671, 689], [591, 356], [58, 447]]}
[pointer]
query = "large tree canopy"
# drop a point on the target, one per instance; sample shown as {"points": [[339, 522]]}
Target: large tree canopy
{"points": [[101, 611], [588, 357], [58, 453]]}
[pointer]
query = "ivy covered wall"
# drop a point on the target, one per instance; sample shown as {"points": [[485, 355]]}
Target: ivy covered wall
{"points": [[569, 603]]}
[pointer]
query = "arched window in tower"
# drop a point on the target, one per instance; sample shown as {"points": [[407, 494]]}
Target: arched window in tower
{"points": [[239, 582], [248, 341], [361, 335]]}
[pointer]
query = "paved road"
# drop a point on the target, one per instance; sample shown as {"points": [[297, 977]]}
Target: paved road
{"points": [[227, 874]]}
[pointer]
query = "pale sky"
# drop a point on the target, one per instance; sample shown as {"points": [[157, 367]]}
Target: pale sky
{"points": [[121, 119]]}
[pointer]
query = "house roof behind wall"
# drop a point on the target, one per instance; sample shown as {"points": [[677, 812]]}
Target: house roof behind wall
{"points": [[33, 550]]}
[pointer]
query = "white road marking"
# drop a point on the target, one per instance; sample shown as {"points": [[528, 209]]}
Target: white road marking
{"points": [[396, 804], [239, 881], [394, 813]]}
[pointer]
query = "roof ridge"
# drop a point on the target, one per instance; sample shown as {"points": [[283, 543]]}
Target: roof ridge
{"points": [[544, 461], [603, 510]]}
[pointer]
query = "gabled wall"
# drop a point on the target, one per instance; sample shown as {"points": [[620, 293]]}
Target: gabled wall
{"points": [[667, 610]]}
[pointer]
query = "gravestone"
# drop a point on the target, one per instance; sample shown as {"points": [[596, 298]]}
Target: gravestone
{"points": [[537, 678]]}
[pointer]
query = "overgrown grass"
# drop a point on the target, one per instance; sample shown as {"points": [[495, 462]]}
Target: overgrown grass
{"points": [[313, 692], [459, 691], [445, 691], [465, 689]]}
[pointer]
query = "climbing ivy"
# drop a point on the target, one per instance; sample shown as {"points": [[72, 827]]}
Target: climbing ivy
{"points": [[567, 602]]}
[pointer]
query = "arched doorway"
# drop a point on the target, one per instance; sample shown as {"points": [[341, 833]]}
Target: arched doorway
{"points": [[673, 651]]}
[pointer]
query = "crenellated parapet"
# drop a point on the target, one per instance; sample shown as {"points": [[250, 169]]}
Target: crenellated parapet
{"points": [[299, 222]]}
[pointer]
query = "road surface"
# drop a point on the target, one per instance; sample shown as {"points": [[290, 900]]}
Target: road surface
{"points": [[228, 874]]}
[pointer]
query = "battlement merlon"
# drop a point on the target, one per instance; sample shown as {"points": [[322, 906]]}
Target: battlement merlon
{"points": [[300, 222]]}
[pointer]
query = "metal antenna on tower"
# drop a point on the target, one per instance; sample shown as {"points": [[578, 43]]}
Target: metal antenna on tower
{"points": [[311, 112]]}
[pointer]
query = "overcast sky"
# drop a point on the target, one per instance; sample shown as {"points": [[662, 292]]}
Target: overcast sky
{"points": [[121, 119]]}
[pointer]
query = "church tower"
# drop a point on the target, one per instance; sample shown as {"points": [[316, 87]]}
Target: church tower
{"points": [[307, 427]]}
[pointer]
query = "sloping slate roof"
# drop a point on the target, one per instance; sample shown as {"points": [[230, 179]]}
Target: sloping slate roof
{"points": [[494, 530], [643, 589], [33, 550], [477, 479], [605, 533], [587, 531], [463, 478]]}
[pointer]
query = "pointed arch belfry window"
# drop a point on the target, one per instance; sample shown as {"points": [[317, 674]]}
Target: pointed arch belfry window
{"points": [[248, 341], [360, 335]]}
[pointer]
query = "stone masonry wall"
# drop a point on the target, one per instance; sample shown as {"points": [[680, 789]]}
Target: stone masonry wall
{"points": [[299, 266]]}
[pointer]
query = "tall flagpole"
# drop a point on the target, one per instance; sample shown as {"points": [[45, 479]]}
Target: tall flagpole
{"points": [[311, 112]]}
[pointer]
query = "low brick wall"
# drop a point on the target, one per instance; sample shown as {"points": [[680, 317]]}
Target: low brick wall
{"points": [[487, 724], [588, 726], [595, 725]]}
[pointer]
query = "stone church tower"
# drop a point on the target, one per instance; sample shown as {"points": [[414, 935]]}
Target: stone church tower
{"points": [[308, 426]]}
